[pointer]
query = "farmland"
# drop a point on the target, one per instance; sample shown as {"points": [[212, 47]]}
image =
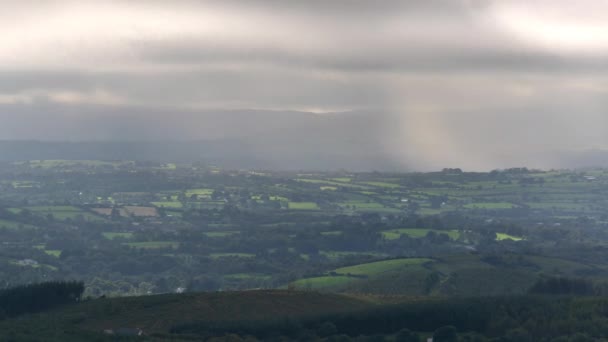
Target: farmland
{"points": [[303, 206], [152, 244], [129, 228], [114, 235], [418, 233]]}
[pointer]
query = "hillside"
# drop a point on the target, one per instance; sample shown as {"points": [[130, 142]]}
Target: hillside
{"points": [[453, 275], [292, 315], [158, 314]]}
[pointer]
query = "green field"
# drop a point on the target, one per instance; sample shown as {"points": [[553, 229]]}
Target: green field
{"points": [[418, 233], [383, 185], [342, 179], [503, 236], [114, 235], [153, 244], [345, 276], [303, 206], [375, 268], [24, 184], [53, 252], [168, 204], [460, 274], [204, 192]]}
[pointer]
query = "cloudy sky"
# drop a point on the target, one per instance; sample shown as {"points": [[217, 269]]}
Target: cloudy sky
{"points": [[471, 83]]}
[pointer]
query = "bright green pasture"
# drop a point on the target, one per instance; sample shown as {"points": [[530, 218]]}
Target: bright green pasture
{"points": [[53, 252], [303, 206], [168, 204], [199, 192], [374, 268], [341, 179], [503, 236], [115, 235]]}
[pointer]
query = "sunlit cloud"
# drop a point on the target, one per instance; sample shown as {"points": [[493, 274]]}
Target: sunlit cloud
{"points": [[561, 26]]}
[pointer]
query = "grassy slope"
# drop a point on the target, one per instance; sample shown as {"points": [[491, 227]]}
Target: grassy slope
{"points": [[462, 275]]}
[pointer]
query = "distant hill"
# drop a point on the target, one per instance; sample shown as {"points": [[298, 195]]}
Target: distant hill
{"points": [[232, 139]]}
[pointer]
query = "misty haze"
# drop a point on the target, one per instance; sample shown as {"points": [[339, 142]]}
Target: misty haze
{"points": [[321, 170]]}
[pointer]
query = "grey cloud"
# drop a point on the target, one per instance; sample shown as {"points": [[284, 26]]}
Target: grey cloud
{"points": [[396, 58], [431, 83]]}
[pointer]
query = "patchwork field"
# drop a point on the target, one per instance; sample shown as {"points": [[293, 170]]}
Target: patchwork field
{"points": [[231, 255], [303, 206], [139, 211], [153, 244], [220, 234], [418, 233], [375, 268], [341, 277], [503, 236], [168, 204], [116, 235]]}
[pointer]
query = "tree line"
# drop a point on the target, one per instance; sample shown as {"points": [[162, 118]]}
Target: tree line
{"points": [[39, 297]]}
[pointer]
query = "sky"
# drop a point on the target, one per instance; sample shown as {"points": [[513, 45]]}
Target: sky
{"points": [[477, 84]]}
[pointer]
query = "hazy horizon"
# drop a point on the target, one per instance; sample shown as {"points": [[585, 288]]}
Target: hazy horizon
{"points": [[414, 85]]}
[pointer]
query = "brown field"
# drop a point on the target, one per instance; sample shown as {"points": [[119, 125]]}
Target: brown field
{"points": [[139, 211]]}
